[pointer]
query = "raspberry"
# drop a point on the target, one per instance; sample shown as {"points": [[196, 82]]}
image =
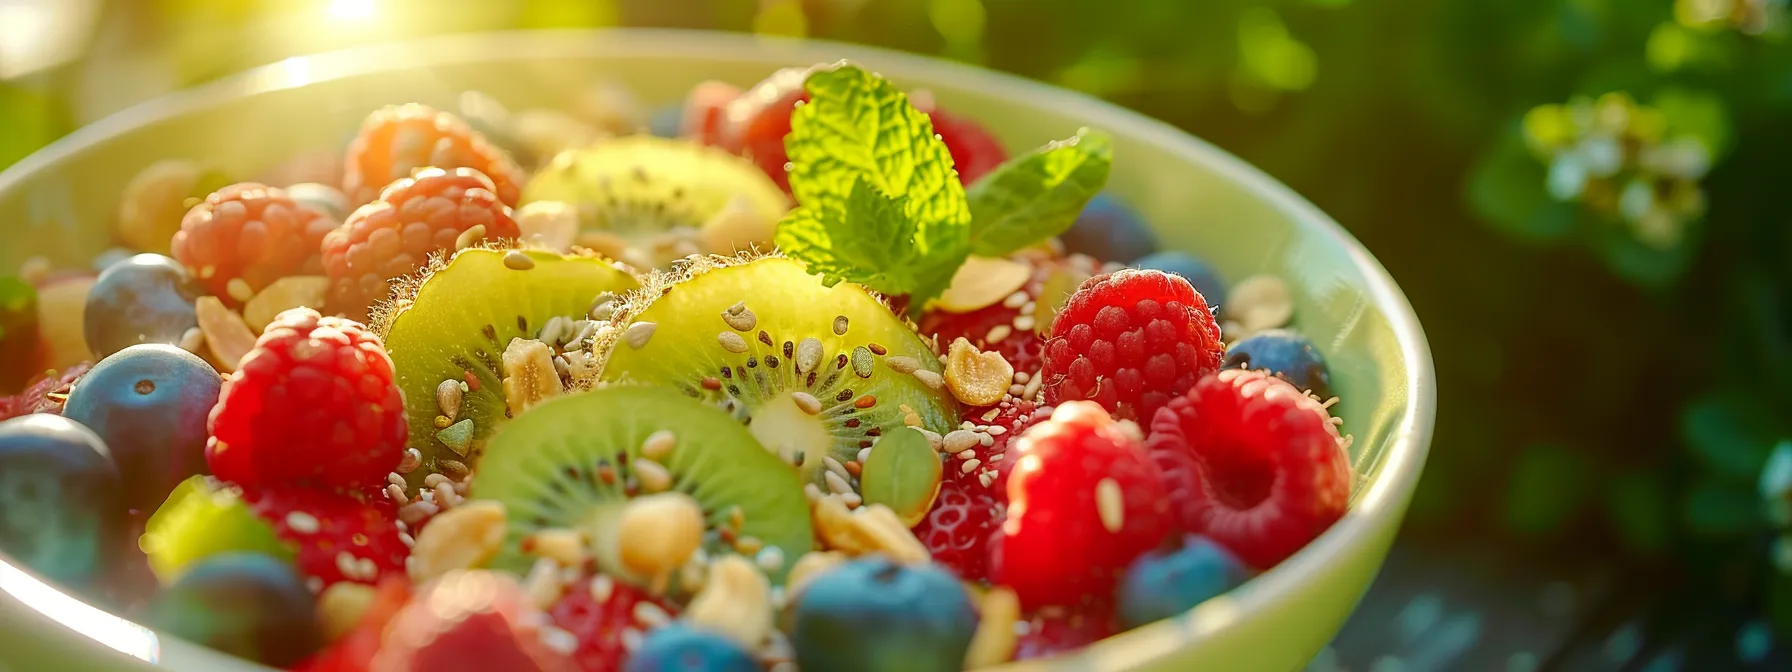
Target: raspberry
{"points": [[1131, 340], [338, 537], [599, 612], [1253, 463], [1084, 500], [755, 123], [396, 140], [312, 404], [1013, 417], [468, 620], [253, 232], [705, 111], [355, 650], [392, 236], [1051, 631], [45, 394], [957, 531], [1023, 343]]}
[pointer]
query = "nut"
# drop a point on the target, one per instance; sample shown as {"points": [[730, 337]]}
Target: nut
{"points": [[151, 206], [735, 602], [549, 224], [1260, 302], [463, 537], [225, 331], [811, 565], [977, 378], [995, 639], [529, 375], [340, 607], [284, 294], [662, 530], [868, 529], [982, 282], [567, 547]]}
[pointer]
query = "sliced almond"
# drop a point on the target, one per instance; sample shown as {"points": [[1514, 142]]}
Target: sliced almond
{"points": [[735, 601], [982, 282], [1260, 302], [463, 537], [285, 293], [529, 375], [977, 378], [225, 331]]}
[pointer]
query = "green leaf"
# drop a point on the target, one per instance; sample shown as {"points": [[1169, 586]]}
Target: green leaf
{"points": [[1507, 189], [1718, 509], [858, 129], [1039, 194]]}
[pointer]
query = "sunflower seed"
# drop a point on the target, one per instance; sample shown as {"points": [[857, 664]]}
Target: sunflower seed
{"points": [[732, 342], [808, 354], [638, 334], [902, 364]]}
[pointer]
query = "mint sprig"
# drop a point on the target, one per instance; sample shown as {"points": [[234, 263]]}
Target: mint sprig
{"points": [[1039, 194], [879, 203]]}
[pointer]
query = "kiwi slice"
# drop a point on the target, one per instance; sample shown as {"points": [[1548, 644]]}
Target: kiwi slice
{"points": [[452, 324], [574, 461], [648, 200], [202, 518], [816, 373]]}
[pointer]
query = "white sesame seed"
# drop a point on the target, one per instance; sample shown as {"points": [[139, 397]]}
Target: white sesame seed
{"points": [[1110, 504], [394, 479], [836, 484], [659, 444], [654, 476], [1029, 308], [835, 466], [986, 440], [345, 564], [637, 334], [933, 439], [1015, 300], [806, 401], [395, 493], [902, 363], [997, 430], [601, 587], [864, 455], [406, 539], [986, 478], [301, 522], [1016, 390], [852, 500], [970, 465], [446, 496], [651, 615], [1025, 323], [812, 490], [560, 641], [998, 333], [770, 558], [1022, 377], [808, 354], [631, 639], [1033, 387], [732, 342], [239, 289], [960, 440], [431, 480], [997, 457], [932, 380], [965, 454]]}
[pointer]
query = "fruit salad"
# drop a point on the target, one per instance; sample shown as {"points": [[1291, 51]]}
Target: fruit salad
{"points": [[819, 378]]}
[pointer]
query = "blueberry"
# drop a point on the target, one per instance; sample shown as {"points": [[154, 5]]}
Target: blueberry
{"points": [[668, 121], [18, 333], [877, 615], [677, 648], [1195, 271], [59, 497], [1110, 230], [145, 299], [1164, 583], [245, 604], [149, 403], [1287, 355]]}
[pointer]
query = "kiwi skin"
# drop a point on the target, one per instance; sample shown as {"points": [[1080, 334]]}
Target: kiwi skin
{"points": [[422, 359], [571, 463], [851, 430]]}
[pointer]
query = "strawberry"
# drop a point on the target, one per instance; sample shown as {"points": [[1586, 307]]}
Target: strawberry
{"points": [[337, 537], [1084, 500], [603, 615], [397, 140], [355, 650], [313, 403], [1056, 629], [1131, 340], [394, 235], [249, 235], [957, 531], [1253, 463], [468, 620]]}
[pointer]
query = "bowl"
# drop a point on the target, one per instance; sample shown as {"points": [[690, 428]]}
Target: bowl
{"points": [[60, 202]]}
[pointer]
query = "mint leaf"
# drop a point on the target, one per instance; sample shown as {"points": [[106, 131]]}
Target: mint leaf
{"points": [[878, 201], [1039, 194]]}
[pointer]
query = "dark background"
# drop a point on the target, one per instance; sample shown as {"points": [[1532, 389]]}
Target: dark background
{"points": [[1606, 406]]}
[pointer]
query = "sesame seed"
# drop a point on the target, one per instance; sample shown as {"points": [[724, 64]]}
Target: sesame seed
{"points": [[960, 440], [1110, 504], [1033, 387], [998, 333], [651, 615], [345, 564], [406, 539], [654, 476], [1025, 323], [1016, 390], [559, 641], [835, 483], [301, 522], [395, 493], [986, 440], [469, 237], [192, 340], [1029, 308], [986, 478], [1015, 300], [902, 364], [434, 480], [864, 455], [835, 466], [965, 454], [602, 586], [631, 639], [394, 479], [807, 402], [239, 289], [516, 260], [855, 468], [852, 499], [933, 438], [637, 334], [446, 496], [813, 491], [997, 430], [732, 342], [808, 354], [770, 558], [970, 465], [658, 444]]}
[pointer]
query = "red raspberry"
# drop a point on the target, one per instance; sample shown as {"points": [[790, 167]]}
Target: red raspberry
{"points": [[396, 140], [338, 537], [312, 404], [705, 111], [394, 235], [469, 620], [1056, 630], [355, 650], [1013, 417], [1131, 340], [1084, 500], [45, 394], [1022, 346], [599, 613], [957, 532], [757, 121], [250, 231], [1253, 463]]}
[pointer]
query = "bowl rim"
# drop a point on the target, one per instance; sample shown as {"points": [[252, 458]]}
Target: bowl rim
{"points": [[1400, 466]]}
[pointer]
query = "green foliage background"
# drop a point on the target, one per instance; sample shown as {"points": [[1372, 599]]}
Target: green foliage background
{"points": [[1591, 386]]}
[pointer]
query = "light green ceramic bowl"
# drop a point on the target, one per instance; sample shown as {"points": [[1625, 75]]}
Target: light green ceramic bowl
{"points": [[59, 203]]}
